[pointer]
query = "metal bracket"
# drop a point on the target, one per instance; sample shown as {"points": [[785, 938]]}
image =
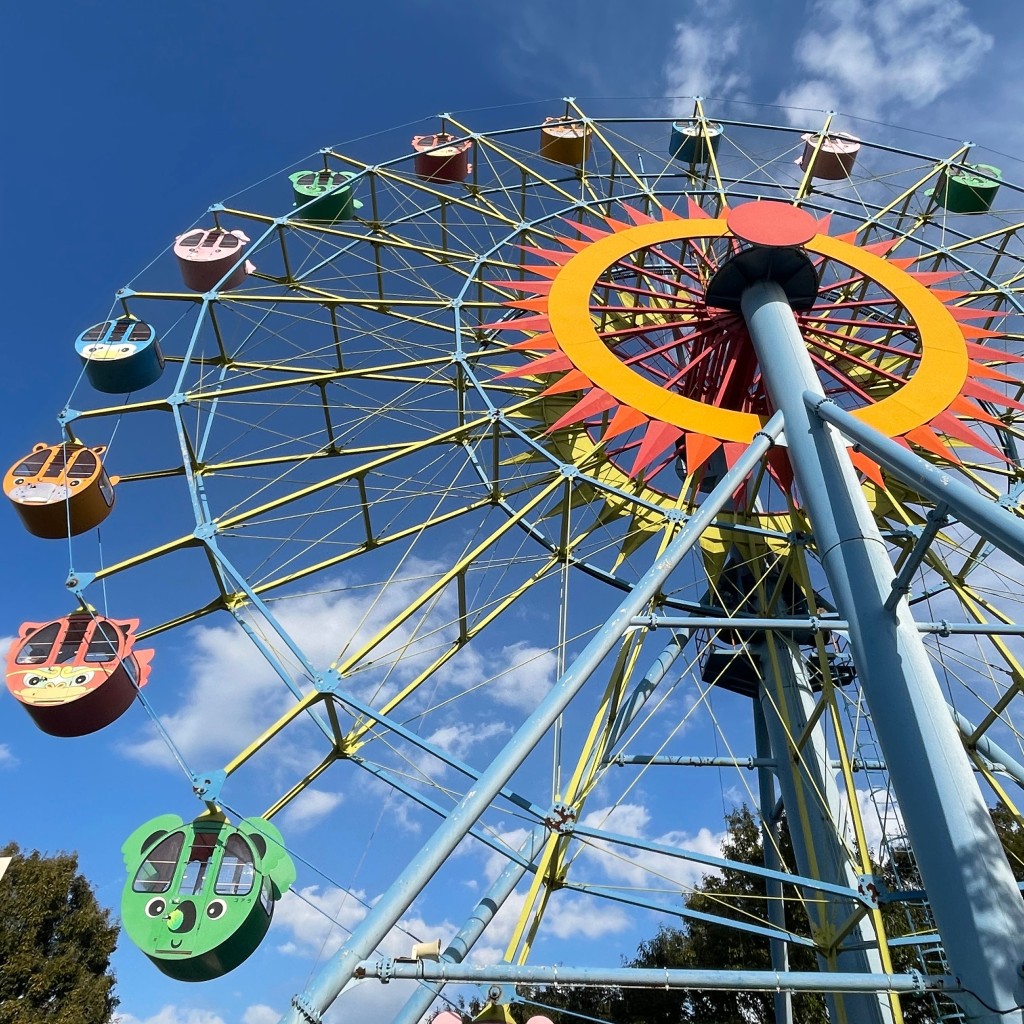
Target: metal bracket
{"points": [[326, 682], [873, 887], [78, 581], [311, 1014], [207, 785], [937, 519], [205, 531], [560, 819]]}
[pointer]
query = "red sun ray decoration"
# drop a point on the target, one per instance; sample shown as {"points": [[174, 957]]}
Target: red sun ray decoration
{"points": [[649, 309]]}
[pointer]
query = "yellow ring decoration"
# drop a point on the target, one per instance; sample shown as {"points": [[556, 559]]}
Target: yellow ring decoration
{"points": [[936, 382]]}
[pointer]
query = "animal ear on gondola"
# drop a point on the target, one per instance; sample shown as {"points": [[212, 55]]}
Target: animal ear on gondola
{"points": [[146, 836], [276, 862]]}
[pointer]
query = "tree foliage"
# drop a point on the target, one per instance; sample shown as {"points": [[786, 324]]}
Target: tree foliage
{"points": [[55, 944], [1012, 836], [702, 944], [734, 894]]}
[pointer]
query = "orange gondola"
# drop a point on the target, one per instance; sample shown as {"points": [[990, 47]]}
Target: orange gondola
{"points": [[565, 140], [60, 490]]}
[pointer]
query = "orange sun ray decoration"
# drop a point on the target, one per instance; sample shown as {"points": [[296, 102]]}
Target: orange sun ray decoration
{"points": [[620, 316]]}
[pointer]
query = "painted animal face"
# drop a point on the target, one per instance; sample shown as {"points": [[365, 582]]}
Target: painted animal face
{"points": [[110, 350], [53, 684], [201, 899]]}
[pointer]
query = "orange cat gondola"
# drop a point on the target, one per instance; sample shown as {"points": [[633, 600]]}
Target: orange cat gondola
{"points": [[76, 674], [60, 490]]}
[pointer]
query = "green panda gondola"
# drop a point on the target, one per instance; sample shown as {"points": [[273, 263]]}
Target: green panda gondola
{"points": [[200, 896]]}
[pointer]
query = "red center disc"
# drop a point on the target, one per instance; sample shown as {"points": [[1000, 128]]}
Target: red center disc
{"points": [[767, 222]]}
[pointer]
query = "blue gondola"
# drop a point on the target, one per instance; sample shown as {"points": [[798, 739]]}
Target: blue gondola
{"points": [[121, 355]]}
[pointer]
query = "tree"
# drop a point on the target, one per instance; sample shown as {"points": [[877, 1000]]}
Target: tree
{"points": [[733, 894], [55, 944], [736, 895], [1012, 836]]}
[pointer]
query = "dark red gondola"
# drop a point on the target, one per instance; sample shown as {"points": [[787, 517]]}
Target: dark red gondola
{"points": [[76, 674], [441, 157]]}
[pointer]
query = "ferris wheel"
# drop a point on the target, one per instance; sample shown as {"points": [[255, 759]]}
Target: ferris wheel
{"points": [[542, 464]]}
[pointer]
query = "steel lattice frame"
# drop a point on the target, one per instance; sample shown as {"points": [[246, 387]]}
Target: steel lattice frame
{"points": [[354, 420]]}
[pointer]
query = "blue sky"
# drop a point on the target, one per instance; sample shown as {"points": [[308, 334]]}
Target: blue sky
{"points": [[125, 121]]}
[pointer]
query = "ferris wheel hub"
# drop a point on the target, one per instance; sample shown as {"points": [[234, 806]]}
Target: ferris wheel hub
{"points": [[771, 223]]}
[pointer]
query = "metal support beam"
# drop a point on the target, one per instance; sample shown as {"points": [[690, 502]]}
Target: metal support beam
{"points": [[822, 625], [414, 878], [994, 760], [973, 894], [647, 685], [779, 953], [814, 812], [992, 521], [937, 519], [465, 938], [998, 759], [652, 977]]}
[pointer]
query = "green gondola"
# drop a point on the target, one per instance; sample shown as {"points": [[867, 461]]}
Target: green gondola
{"points": [[325, 196], [200, 896]]}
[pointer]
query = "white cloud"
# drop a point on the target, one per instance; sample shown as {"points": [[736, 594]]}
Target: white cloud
{"points": [[458, 740], [233, 685], [496, 862], [854, 55], [704, 56], [567, 916], [260, 1014], [576, 917], [528, 677], [308, 808], [320, 921], [646, 867], [172, 1015], [879, 814]]}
